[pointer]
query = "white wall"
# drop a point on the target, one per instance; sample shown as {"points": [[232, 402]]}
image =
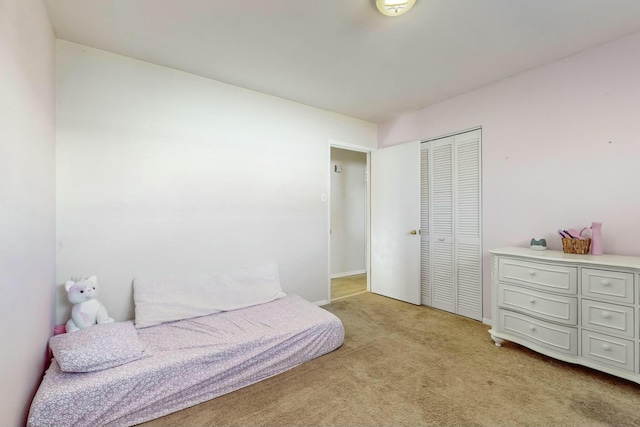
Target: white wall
{"points": [[161, 171], [27, 202], [348, 210], [559, 148]]}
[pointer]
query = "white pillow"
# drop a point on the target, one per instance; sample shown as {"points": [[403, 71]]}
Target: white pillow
{"points": [[169, 298], [97, 347]]}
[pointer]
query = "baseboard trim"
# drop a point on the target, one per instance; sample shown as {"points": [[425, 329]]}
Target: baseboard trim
{"points": [[348, 273], [487, 321], [321, 303]]}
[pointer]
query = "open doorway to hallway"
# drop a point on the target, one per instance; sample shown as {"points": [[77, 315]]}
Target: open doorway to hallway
{"points": [[348, 223], [347, 286]]}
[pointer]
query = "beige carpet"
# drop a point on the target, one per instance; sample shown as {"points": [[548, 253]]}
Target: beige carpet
{"points": [[403, 365]]}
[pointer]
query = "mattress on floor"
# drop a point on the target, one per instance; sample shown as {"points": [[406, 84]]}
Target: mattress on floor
{"points": [[192, 361]]}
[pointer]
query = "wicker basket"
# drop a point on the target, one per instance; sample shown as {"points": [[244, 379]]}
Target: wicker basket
{"points": [[576, 246]]}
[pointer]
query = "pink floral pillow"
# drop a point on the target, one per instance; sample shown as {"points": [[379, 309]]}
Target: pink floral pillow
{"points": [[98, 347]]}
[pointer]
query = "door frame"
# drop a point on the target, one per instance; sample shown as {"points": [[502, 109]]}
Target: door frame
{"points": [[367, 257]]}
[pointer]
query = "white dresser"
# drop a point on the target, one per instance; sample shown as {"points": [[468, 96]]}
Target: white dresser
{"points": [[582, 309]]}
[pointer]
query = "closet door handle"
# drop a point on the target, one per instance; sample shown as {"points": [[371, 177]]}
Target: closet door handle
{"points": [[413, 232]]}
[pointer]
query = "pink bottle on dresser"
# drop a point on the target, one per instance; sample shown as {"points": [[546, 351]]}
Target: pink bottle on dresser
{"points": [[596, 238]]}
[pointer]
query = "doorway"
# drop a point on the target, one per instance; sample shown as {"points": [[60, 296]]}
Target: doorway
{"points": [[348, 228]]}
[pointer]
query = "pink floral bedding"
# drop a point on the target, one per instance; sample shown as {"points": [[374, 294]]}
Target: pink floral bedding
{"points": [[192, 361]]}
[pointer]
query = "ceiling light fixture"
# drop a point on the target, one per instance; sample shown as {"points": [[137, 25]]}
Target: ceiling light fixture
{"points": [[394, 7]]}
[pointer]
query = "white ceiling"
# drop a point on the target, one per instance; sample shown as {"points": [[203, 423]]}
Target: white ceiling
{"points": [[342, 55]]}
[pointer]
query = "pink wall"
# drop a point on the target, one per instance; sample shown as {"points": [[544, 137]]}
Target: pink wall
{"points": [[27, 202], [560, 148]]}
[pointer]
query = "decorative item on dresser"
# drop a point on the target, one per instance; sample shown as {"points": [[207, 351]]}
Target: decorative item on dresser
{"points": [[538, 244], [581, 309]]}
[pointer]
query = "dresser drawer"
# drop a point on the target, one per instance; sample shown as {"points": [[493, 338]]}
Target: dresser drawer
{"points": [[559, 338], [608, 350], [608, 318], [609, 285], [556, 278], [557, 308]]}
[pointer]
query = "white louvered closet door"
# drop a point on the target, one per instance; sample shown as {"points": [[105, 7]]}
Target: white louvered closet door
{"points": [[451, 268], [441, 233], [425, 203], [468, 253]]}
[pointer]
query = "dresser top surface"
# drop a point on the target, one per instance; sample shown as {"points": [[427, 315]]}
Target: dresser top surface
{"points": [[553, 255]]}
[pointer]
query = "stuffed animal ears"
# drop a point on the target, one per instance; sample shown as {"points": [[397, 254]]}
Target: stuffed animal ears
{"points": [[68, 285], [93, 280]]}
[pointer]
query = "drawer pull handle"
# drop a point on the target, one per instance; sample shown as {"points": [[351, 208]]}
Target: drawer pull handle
{"points": [[606, 315], [605, 283], [606, 347], [533, 328], [532, 273], [532, 300], [441, 239]]}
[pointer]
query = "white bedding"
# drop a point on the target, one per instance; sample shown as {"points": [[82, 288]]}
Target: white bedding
{"points": [[169, 298], [193, 361]]}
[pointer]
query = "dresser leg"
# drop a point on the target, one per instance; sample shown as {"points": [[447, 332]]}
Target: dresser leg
{"points": [[497, 340]]}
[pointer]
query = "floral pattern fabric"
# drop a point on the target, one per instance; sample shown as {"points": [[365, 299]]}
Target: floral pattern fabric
{"points": [[98, 347], [192, 361]]}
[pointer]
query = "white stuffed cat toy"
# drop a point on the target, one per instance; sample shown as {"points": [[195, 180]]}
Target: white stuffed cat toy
{"points": [[87, 310]]}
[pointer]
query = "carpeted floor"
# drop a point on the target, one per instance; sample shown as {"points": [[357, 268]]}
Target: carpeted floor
{"points": [[404, 365]]}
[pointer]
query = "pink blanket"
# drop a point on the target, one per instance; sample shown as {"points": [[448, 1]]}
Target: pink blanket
{"points": [[193, 361]]}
